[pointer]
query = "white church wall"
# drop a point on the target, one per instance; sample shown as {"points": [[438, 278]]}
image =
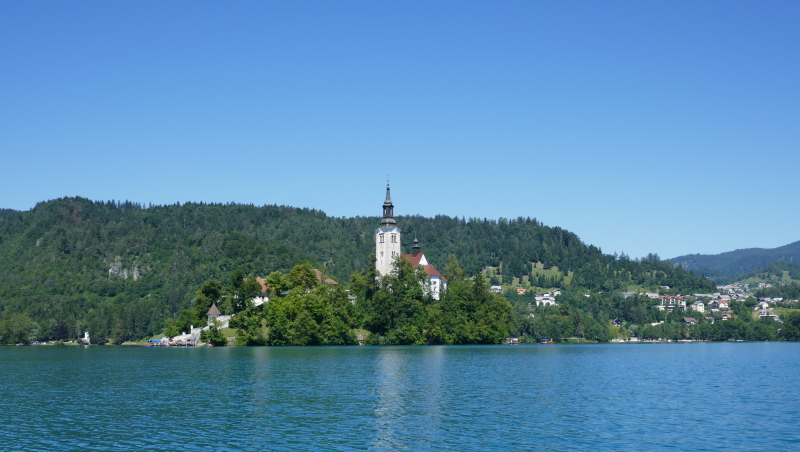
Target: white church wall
{"points": [[387, 250]]}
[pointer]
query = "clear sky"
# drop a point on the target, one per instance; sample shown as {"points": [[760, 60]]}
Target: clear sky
{"points": [[643, 126]]}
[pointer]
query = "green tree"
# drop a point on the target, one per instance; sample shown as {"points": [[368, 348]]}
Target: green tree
{"points": [[303, 276], [209, 293], [17, 328], [278, 282], [213, 335]]}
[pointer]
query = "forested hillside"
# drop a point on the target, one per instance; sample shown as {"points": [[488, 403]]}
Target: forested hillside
{"points": [[122, 269], [726, 267], [780, 272]]}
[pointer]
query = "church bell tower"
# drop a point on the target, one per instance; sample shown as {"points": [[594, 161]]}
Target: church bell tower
{"points": [[387, 238]]}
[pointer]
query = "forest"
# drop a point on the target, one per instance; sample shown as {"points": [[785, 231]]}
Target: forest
{"points": [[126, 271], [728, 267]]}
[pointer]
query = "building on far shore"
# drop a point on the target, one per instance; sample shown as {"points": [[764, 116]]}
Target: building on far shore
{"points": [[387, 250], [438, 283], [213, 313]]}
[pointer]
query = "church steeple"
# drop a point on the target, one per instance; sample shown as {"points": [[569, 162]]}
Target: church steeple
{"points": [[415, 249], [387, 238], [388, 209]]}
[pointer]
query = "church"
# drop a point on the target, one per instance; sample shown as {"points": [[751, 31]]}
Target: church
{"points": [[387, 250]]}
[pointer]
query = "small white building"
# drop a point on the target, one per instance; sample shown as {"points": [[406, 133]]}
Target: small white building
{"points": [[698, 306], [670, 303], [545, 300]]}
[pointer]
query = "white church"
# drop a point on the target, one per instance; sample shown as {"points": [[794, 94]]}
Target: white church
{"points": [[387, 250]]}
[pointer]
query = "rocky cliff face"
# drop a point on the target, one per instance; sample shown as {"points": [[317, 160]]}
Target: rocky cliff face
{"points": [[116, 268]]}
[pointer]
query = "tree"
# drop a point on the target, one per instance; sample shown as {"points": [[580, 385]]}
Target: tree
{"points": [[278, 282], [303, 276], [17, 328], [171, 329], [245, 293], [208, 294], [213, 335], [248, 327], [790, 330]]}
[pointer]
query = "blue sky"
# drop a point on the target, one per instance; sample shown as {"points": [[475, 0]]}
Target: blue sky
{"points": [[666, 127]]}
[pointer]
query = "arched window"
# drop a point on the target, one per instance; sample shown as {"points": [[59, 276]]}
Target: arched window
{"points": [[381, 238]]}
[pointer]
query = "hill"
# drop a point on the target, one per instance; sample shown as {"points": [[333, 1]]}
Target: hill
{"points": [[725, 267], [781, 272], [121, 269]]}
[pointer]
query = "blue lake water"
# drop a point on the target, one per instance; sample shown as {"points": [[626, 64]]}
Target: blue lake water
{"points": [[738, 396]]}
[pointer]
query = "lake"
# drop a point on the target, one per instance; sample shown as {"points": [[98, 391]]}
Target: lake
{"points": [[700, 396]]}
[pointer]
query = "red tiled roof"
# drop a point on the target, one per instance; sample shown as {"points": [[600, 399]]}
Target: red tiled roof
{"points": [[414, 260], [263, 283], [429, 269], [324, 279], [213, 310], [432, 272]]}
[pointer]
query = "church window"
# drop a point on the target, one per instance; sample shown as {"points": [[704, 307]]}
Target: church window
{"points": [[394, 238], [381, 237]]}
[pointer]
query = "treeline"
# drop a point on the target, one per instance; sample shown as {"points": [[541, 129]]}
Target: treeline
{"points": [[727, 267], [121, 269]]}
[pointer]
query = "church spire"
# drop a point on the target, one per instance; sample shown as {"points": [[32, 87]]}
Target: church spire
{"points": [[415, 249], [388, 209]]}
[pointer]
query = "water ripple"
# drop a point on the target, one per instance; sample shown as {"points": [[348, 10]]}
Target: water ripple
{"points": [[602, 397]]}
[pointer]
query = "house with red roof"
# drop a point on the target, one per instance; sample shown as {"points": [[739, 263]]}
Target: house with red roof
{"points": [[438, 283], [324, 279]]}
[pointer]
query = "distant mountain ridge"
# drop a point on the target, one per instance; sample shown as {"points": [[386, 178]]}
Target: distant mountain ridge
{"points": [[727, 265]]}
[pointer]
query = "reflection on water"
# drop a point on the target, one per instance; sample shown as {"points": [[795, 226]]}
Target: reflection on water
{"points": [[390, 387], [607, 397]]}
